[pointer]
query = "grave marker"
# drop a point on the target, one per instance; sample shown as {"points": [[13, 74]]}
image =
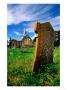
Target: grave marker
{"points": [[44, 45]]}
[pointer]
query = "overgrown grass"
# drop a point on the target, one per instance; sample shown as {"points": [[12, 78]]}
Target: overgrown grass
{"points": [[56, 55], [20, 61]]}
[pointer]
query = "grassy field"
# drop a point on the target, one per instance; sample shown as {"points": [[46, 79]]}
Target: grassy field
{"points": [[19, 69]]}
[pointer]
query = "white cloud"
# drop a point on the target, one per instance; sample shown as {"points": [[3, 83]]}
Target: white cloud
{"points": [[17, 33], [30, 29], [17, 18], [55, 22], [10, 18], [33, 37], [17, 15], [30, 12], [21, 13], [8, 39]]}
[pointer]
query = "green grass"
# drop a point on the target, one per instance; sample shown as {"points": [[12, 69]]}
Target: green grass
{"points": [[56, 55], [20, 61]]}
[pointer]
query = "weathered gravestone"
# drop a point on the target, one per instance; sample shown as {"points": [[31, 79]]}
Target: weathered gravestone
{"points": [[44, 45]]}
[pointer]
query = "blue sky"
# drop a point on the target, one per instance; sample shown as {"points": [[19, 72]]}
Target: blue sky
{"points": [[21, 17]]}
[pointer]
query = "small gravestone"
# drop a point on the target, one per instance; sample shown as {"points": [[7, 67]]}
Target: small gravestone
{"points": [[44, 45]]}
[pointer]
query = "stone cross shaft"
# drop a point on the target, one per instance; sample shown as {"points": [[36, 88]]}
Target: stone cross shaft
{"points": [[44, 45]]}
